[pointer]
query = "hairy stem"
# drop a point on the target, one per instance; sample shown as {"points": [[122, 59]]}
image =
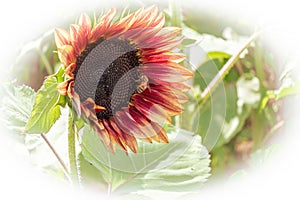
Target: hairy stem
{"points": [[61, 162], [72, 149]]}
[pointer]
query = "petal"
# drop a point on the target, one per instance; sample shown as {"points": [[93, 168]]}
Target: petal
{"points": [[74, 28], [117, 138], [85, 23], [89, 103], [154, 49], [129, 125], [163, 58], [66, 55], [170, 103], [107, 18], [161, 133], [103, 25], [61, 37], [164, 35], [100, 129], [164, 44], [129, 138], [172, 93], [112, 136], [170, 72], [172, 85], [153, 112], [63, 87], [69, 70], [79, 38], [145, 124], [148, 23], [125, 139]]}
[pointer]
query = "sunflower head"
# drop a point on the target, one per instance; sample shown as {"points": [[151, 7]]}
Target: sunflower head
{"points": [[122, 76]]}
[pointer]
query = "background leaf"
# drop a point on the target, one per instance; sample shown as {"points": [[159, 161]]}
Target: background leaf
{"points": [[36, 59], [211, 43], [46, 109], [184, 162], [16, 105]]}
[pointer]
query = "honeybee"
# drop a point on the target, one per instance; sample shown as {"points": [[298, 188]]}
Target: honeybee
{"points": [[144, 83]]}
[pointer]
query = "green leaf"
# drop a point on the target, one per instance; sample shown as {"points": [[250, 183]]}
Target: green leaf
{"points": [[46, 109], [287, 90], [288, 87], [90, 175], [188, 171], [16, 105], [218, 55], [179, 165]]}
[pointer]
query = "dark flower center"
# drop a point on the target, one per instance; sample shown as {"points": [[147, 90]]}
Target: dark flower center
{"points": [[107, 72]]}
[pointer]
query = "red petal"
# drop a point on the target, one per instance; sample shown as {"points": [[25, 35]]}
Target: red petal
{"points": [[170, 72], [69, 70], [144, 123], [172, 93], [105, 131], [161, 133], [79, 38], [153, 49], [170, 103], [153, 112], [129, 138], [85, 23], [174, 85], [103, 25], [120, 27], [100, 129], [166, 34], [163, 58], [61, 37], [66, 55], [129, 125], [117, 137], [107, 18], [124, 138]]}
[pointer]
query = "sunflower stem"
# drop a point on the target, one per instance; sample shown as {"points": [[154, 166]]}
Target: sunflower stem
{"points": [[72, 150], [224, 71]]}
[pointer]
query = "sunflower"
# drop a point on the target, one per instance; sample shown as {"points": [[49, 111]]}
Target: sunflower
{"points": [[121, 75]]}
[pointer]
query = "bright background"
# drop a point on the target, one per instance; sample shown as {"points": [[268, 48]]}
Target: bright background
{"points": [[23, 21]]}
